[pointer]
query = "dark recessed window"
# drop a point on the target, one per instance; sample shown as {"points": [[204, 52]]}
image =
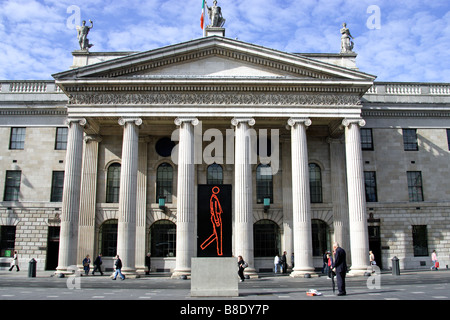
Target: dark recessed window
{"points": [[57, 186], [315, 183], [410, 140], [164, 147], [264, 183], [366, 139], [164, 182], [17, 139], [420, 240], [370, 181], [266, 238], [415, 190], [61, 139], [163, 239], [107, 237], [214, 174]]}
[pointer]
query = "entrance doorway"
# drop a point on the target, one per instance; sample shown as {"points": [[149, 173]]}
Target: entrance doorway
{"points": [[52, 248], [375, 244]]}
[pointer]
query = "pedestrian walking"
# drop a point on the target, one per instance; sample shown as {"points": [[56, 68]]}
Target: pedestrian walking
{"points": [[434, 260], [86, 265], [97, 264], [147, 263], [284, 263], [329, 265], [15, 262], [340, 268], [242, 265], [276, 262], [118, 268], [372, 260]]}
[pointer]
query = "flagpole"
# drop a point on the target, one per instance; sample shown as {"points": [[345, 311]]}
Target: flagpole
{"points": [[203, 15]]}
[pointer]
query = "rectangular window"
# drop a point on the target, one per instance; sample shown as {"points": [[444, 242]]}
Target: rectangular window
{"points": [[370, 180], [57, 186], [7, 240], [12, 185], [17, 139], [366, 139], [61, 139], [410, 140], [415, 189], [420, 241]]}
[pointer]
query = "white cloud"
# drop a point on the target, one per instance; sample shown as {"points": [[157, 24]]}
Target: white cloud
{"points": [[413, 43]]}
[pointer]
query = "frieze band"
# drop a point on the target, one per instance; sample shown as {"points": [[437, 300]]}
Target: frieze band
{"points": [[214, 99]]}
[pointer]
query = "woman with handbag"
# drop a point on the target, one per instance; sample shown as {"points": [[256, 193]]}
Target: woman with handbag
{"points": [[242, 265], [15, 262]]}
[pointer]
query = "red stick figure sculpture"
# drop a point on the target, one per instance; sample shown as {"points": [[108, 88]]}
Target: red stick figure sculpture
{"points": [[216, 220]]}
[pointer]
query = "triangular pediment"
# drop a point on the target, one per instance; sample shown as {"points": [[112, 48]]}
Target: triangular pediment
{"points": [[213, 57]]}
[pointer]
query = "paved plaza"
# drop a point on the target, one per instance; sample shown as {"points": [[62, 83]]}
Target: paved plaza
{"points": [[410, 285]]}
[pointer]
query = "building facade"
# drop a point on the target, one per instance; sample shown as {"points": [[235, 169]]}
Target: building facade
{"points": [[109, 158]]}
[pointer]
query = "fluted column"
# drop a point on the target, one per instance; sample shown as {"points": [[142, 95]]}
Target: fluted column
{"points": [[68, 242], [186, 237], [301, 202], [86, 230], [126, 232], [243, 199], [359, 240], [339, 194]]}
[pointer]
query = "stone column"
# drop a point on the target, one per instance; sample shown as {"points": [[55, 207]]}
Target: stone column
{"points": [[359, 239], [186, 234], [243, 194], [301, 202], [86, 236], [126, 232], [286, 166], [141, 208], [68, 243], [339, 194]]}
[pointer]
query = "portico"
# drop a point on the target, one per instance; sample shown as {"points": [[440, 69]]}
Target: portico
{"points": [[224, 84]]}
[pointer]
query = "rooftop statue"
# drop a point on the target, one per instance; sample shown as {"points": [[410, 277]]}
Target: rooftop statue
{"points": [[215, 15], [346, 43], [83, 31]]}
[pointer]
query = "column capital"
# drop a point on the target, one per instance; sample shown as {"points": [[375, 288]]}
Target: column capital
{"points": [[250, 121], [81, 121], [194, 121], [93, 138], [293, 121], [347, 122], [137, 121]]}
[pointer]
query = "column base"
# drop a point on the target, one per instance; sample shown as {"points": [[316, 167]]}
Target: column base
{"points": [[251, 273], [304, 273], [360, 271], [181, 274]]}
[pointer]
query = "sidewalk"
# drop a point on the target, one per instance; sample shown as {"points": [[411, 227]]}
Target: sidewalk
{"points": [[410, 285]]}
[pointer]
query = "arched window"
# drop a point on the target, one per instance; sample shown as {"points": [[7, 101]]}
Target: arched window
{"points": [[266, 238], [264, 183], [163, 236], [107, 238], [113, 183], [214, 174], [315, 183], [164, 182], [320, 237]]}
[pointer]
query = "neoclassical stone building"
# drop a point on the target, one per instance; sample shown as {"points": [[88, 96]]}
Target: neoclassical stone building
{"points": [[111, 156]]}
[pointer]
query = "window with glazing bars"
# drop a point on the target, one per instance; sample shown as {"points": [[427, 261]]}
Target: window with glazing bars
{"points": [[415, 190]]}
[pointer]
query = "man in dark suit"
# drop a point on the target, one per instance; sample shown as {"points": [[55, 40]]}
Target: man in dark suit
{"points": [[340, 268]]}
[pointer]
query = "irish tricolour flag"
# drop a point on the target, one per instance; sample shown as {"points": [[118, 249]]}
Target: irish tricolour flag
{"points": [[202, 18]]}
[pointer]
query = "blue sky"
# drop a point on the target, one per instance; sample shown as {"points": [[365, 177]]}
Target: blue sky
{"points": [[396, 40]]}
